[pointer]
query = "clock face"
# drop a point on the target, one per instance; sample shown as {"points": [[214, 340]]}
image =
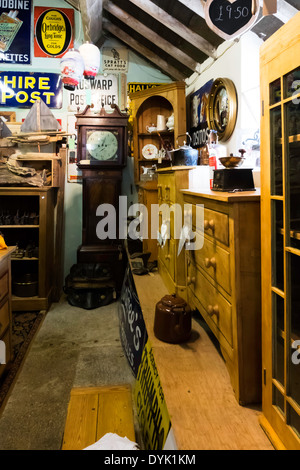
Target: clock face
{"points": [[102, 145]]}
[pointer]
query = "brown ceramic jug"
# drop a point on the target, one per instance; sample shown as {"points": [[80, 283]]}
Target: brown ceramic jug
{"points": [[173, 319]]}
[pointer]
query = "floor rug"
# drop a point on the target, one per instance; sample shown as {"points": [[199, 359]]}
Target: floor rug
{"points": [[24, 328]]}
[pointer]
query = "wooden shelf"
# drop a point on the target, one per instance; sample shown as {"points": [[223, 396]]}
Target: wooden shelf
{"points": [[146, 106], [19, 226], [155, 134]]}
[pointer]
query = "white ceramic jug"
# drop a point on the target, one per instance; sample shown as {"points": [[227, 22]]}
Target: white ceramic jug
{"points": [[161, 122]]}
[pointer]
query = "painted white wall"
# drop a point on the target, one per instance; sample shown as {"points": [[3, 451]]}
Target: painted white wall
{"points": [[238, 61]]}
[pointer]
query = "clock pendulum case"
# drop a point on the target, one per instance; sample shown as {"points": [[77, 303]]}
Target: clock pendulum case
{"points": [[101, 154]]}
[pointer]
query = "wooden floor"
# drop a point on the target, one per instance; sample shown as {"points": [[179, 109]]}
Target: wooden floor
{"points": [[93, 412], [202, 407]]}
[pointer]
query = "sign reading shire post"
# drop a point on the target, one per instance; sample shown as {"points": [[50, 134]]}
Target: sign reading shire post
{"points": [[53, 31], [22, 89]]}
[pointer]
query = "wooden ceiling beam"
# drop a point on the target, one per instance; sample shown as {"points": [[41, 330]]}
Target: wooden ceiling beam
{"points": [[195, 6], [285, 11], [151, 36], [91, 15], [176, 26], [144, 51]]}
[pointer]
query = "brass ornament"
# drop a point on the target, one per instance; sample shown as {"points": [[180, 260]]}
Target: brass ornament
{"points": [[222, 108]]}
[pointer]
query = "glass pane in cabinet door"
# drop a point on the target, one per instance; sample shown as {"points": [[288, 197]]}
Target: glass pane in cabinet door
{"points": [[278, 357], [276, 152], [295, 297], [278, 342], [292, 83], [277, 245], [294, 388], [275, 92], [278, 399], [293, 173], [294, 420], [278, 311]]}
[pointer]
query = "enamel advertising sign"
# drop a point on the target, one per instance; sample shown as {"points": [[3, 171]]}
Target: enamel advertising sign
{"points": [[22, 89], [15, 28], [53, 31]]}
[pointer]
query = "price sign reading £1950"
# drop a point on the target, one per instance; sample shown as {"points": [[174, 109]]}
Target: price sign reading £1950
{"points": [[230, 18]]}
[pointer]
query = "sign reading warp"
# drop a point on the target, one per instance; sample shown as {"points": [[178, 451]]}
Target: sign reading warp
{"points": [[23, 89]]}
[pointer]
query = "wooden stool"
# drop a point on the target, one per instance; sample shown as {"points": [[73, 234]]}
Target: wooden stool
{"points": [[93, 412]]}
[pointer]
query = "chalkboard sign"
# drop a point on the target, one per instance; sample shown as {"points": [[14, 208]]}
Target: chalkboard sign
{"points": [[230, 18]]}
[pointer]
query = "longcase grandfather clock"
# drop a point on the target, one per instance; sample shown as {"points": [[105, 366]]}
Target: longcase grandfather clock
{"points": [[102, 153]]}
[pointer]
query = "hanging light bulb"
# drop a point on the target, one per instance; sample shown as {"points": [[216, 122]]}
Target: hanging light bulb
{"points": [[72, 68], [91, 57]]}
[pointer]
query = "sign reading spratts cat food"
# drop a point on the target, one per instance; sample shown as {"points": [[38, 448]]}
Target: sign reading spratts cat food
{"points": [[53, 31], [115, 59]]}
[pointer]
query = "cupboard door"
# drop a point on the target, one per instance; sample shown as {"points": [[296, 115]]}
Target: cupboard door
{"points": [[281, 248]]}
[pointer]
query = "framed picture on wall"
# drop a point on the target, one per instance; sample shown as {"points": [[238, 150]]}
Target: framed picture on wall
{"points": [[8, 116]]}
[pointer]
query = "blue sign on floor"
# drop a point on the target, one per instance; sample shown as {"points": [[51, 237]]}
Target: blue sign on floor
{"points": [[132, 327]]}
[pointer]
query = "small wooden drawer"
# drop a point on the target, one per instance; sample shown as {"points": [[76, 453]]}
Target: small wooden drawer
{"points": [[167, 257], [6, 340], [216, 224], [4, 317], [166, 189], [3, 286], [216, 307], [169, 217], [214, 260]]}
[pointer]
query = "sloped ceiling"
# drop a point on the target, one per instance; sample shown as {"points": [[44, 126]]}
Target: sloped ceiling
{"points": [[170, 34]]}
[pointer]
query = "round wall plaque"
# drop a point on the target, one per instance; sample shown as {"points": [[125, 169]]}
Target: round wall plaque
{"points": [[222, 108]]}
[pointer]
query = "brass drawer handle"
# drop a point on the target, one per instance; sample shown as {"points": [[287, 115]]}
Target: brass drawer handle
{"points": [[209, 224], [210, 263], [191, 280], [213, 310], [167, 256], [167, 190]]}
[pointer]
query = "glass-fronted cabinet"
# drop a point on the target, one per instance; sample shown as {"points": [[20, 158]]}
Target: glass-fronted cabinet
{"points": [[280, 221]]}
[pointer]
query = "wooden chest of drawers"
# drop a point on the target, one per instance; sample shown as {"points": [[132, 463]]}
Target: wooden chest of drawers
{"points": [[171, 264], [5, 305], [223, 282]]}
